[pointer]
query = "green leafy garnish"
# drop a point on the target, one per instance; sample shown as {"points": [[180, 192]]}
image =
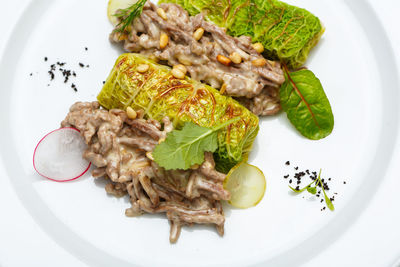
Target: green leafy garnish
{"points": [[306, 105], [127, 15], [185, 148], [313, 190]]}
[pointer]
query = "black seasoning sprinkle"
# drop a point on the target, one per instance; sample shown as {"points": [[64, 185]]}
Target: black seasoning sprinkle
{"points": [[73, 86], [87, 66], [74, 74], [344, 182], [290, 181], [51, 75], [45, 59], [86, 49], [297, 188], [296, 168], [322, 200], [287, 163], [105, 82], [31, 74], [286, 176], [81, 65]]}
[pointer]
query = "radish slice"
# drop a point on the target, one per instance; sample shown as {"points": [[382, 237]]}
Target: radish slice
{"points": [[58, 155], [247, 185]]}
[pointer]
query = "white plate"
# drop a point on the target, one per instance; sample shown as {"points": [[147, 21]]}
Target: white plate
{"points": [[355, 66]]}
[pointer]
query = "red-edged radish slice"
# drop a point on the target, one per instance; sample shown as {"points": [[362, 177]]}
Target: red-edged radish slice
{"points": [[58, 155]]}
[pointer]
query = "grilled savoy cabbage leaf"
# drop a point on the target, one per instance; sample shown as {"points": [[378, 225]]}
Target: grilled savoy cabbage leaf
{"points": [[159, 94], [287, 32]]}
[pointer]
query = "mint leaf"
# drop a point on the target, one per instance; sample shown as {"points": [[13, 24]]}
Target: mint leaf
{"points": [[185, 148]]}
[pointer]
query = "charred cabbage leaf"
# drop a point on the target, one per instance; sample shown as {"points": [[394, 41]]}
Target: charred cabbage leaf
{"points": [[306, 105], [287, 32], [159, 94]]}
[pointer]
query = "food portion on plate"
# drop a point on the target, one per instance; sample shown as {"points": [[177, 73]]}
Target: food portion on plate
{"points": [[249, 57], [176, 119], [139, 83], [207, 54], [287, 32], [120, 145]]}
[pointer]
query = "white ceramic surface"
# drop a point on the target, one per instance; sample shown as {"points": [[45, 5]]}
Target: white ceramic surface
{"points": [[359, 78]]}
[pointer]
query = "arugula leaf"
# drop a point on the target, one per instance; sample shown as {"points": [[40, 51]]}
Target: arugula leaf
{"points": [[185, 148], [306, 105]]}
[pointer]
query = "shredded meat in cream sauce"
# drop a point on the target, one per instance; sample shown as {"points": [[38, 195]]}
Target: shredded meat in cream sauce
{"points": [[119, 149]]}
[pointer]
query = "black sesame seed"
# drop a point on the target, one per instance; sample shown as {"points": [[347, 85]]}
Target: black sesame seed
{"points": [[45, 58], [286, 176], [290, 181], [86, 49], [81, 65], [287, 163]]}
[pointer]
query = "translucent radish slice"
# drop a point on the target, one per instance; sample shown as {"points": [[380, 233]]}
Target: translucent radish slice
{"points": [[58, 155], [247, 185]]}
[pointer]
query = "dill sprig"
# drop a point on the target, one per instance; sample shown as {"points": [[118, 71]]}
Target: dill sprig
{"points": [[127, 15]]}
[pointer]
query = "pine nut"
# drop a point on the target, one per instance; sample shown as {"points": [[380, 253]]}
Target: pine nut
{"points": [[185, 60], [161, 13], [195, 166], [131, 113], [235, 57], [223, 89], [163, 40], [223, 60], [149, 155], [142, 68], [178, 74], [259, 62], [258, 47], [181, 68], [198, 33]]}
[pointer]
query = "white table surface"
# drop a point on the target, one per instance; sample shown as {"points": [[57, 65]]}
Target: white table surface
{"points": [[363, 244]]}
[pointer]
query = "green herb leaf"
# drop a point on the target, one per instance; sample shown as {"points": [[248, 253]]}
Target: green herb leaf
{"points": [[127, 15], [306, 105], [312, 190], [185, 148], [303, 189], [328, 202]]}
